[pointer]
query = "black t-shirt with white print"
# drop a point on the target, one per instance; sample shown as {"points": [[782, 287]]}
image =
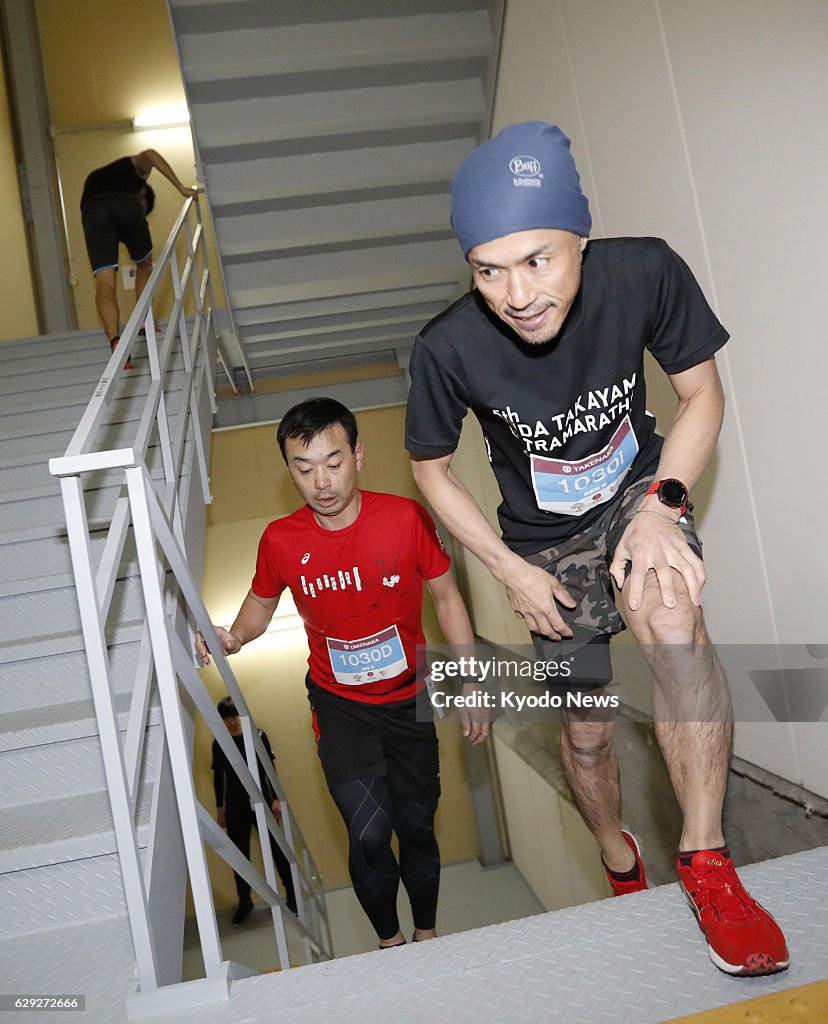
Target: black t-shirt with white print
{"points": [[565, 422]]}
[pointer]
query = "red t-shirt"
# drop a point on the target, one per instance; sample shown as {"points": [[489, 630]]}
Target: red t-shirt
{"points": [[359, 592]]}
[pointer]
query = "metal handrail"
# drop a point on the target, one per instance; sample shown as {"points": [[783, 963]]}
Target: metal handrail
{"points": [[157, 511]]}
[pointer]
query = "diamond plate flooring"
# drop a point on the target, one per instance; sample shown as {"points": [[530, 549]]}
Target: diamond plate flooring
{"points": [[636, 960]]}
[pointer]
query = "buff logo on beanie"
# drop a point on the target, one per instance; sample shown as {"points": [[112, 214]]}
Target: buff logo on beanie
{"points": [[521, 180]]}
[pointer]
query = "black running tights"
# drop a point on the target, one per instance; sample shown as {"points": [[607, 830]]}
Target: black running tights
{"points": [[371, 812]]}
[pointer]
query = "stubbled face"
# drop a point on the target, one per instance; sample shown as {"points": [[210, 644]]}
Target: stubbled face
{"points": [[530, 279], [325, 472]]}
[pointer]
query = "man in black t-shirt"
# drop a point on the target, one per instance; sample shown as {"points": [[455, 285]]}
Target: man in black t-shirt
{"points": [[234, 813], [548, 351], [115, 203]]}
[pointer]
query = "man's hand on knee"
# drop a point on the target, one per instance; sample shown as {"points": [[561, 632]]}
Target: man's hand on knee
{"points": [[653, 544]]}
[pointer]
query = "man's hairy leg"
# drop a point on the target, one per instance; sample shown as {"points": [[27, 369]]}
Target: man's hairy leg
{"points": [[691, 709], [591, 768]]}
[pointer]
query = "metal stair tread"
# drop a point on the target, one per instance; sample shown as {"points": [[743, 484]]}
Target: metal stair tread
{"points": [[58, 831], [53, 723], [54, 679], [215, 137], [279, 50], [653, 965], [95, 959], [92, 481], [64, 643], [251, 199]]}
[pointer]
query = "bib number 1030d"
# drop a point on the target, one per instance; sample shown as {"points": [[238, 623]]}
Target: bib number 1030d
{"points": [[356, 662], [570, 488]]}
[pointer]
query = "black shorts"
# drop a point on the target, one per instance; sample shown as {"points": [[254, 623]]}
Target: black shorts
{"points": [[582, 565], [357, 741], [108, 220]]}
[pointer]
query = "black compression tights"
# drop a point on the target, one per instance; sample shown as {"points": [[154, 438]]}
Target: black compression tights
{"points": [[371, 812]]}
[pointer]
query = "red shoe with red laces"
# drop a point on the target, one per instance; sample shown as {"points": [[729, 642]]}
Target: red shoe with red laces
{"points": [[620, 886], [742, 937]]}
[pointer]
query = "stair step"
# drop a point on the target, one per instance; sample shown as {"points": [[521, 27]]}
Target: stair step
{"points": [[65, 643], [93, 958], [48, 419], [253, 121], [35, 727], [332, 225], [393, 263], [20, 483], [59, 771], [47, 613], [38, 684], [194, 16], [378, 70], [61, 896], [66, 829], [309, 180], [334, 48]]}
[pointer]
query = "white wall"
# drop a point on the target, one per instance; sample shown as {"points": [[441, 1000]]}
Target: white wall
{"points": [[703, 123]]}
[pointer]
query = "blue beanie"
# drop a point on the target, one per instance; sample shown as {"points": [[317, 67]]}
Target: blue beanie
{"points": [[522, 179]]}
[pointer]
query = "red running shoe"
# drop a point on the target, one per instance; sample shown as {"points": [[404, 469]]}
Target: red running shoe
{"points": [[742, 937], [619, 886]]}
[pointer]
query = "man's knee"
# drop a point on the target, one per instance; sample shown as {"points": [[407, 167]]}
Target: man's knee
{"points": [[655, 623], [105, 279], [589, 743]]}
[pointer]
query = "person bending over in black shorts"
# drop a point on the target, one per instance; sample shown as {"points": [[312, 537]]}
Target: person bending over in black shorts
{"points": [[547, 350], [355, 562], [115, 203]]}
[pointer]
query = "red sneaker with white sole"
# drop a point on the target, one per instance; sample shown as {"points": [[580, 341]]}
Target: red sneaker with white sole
{"points": [[742, 937], [621, 887]]}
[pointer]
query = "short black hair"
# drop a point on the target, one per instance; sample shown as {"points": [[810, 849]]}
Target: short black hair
{"points": [[226, 708], [312, 417], [147, 193]]}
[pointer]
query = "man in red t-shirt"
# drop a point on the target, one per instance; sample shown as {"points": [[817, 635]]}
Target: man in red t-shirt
{"points": [[355, 562]]}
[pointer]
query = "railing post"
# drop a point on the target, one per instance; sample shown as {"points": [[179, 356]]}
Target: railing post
{"points": [[264, 841], [137, 483], [97, 659]]}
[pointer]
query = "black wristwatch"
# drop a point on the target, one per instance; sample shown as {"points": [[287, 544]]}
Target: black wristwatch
{"points": [[672, 493]]}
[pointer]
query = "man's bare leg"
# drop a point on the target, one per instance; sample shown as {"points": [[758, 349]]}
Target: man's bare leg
{"points": [[691, 708], [591, 769], [106, 300]]}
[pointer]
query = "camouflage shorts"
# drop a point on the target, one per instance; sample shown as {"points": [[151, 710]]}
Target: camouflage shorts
{"points": [[582, 565]]}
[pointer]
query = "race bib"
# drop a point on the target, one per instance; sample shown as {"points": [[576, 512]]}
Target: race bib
{"points": [[570, 488], [356, 662]]}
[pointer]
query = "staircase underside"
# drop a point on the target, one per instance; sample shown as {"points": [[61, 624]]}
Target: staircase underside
{"points": [[327, 136]]}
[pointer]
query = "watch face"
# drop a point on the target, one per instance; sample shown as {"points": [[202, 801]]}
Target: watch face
{"points": [[672, 493]]}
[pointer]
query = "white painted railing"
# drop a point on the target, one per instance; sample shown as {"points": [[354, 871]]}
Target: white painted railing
{"points": [[174, 423]]}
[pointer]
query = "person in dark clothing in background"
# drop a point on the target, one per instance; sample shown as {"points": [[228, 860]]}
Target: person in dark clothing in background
{"points": [[115, 203], [234, 813]]}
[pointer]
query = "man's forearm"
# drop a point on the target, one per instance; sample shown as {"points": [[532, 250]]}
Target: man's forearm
{"points": [[462, 516], [454, 621], [691, 439], [253, 618]]}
